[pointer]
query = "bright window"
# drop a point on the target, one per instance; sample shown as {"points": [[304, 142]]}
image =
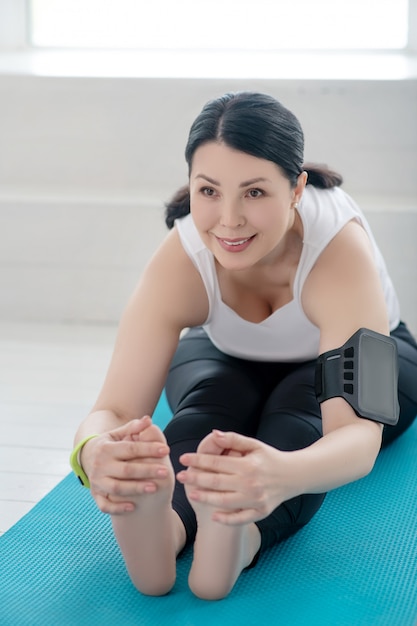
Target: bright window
{"points": [[220, 24]]}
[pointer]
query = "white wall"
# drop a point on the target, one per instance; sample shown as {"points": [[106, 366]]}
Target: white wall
{"points": [[87, 163]]}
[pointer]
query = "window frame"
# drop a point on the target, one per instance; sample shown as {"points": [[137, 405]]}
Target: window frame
{"points": [[19, 57], [130, 47], [16, 35]]}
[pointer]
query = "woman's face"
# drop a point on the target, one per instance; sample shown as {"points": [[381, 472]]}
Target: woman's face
{"points": [[242, 206]]}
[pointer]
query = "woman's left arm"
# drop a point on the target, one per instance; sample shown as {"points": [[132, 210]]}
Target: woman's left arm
{"points": [[342, 294]]}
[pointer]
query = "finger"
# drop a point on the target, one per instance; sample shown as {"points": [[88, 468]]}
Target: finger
{"points": [[211, 462], [131, 428], [222, 500], [235, 441], [129, 450], [208, 481], [119, 490], [142, 470], [113, 507]]}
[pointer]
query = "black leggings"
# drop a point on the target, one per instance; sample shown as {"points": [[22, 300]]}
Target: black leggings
{"points": [[273, 402]]}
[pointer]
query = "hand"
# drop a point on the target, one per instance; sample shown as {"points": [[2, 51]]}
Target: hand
{"points": [[245, 480], [124, 463]]}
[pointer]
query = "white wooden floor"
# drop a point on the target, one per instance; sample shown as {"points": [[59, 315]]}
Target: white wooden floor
{"points": [[49, 378]]}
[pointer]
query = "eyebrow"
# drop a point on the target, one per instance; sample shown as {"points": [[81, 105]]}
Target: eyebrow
{"points": [[245, 183]]}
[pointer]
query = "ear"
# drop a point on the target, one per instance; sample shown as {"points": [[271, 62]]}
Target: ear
{"points": [[300, 186]]}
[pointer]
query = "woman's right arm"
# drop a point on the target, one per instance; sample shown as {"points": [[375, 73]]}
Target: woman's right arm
{"points": [[170, 296]]}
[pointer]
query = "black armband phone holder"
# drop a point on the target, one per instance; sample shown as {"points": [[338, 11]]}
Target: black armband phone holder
{"points": [[364, 371]]}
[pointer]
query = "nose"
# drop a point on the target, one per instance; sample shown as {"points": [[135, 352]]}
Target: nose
{"points": [[231, 215]]}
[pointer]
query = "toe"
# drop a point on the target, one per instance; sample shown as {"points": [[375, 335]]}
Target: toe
{"points": [[153, 433], [208, 445]]}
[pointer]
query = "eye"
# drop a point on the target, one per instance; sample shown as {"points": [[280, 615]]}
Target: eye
{"points": [[207, 191], [255, 193]]}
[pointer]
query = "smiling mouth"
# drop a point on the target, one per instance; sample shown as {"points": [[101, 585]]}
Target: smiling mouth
{"points": [[235, 242], [235, 245]]}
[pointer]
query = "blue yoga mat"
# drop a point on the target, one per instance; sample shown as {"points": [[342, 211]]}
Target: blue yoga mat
{"points": [[355, 564]]}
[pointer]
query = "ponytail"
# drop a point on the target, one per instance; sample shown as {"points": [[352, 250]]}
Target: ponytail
{"points": [[178, 206], [321, 176]]}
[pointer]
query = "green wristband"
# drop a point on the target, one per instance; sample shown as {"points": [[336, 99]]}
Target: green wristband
{"points": [[75, 461]]}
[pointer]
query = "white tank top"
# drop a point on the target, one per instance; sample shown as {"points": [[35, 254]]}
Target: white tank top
{"points": [[287, 334]]}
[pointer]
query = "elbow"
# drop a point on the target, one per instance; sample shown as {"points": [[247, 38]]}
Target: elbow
{"points": [[371, 453], [361, 466], [367, 443]]}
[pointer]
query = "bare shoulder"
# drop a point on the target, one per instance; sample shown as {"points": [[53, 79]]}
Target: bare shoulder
{"points": [[343, 291], [171, 286]]}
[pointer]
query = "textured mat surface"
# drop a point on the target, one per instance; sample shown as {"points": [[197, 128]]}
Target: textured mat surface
{"points": [[355, 564]]}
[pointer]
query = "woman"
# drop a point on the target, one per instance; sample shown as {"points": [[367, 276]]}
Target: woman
{"points": [[270, 264]]}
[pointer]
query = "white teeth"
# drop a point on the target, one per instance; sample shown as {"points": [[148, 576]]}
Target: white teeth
{"points": [[236, 243]]}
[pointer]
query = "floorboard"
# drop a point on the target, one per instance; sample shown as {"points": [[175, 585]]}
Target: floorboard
{"points": [[50, 376]]}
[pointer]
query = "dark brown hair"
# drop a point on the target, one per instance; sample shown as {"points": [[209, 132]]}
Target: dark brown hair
{"points": [[259, 125]]}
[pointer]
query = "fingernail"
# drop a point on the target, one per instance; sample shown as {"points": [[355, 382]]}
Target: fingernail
{"points": [[219, 433], [150, 488], [162, 472]]}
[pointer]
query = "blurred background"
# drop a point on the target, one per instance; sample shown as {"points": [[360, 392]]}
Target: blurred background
{"points": [[96, 100]]}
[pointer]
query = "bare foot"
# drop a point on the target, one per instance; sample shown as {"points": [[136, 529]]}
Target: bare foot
{"points": [[153, 499], [220, 552], [151, 536]]}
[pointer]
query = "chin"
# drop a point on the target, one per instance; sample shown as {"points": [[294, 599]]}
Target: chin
{"points": [[234, 264]]}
